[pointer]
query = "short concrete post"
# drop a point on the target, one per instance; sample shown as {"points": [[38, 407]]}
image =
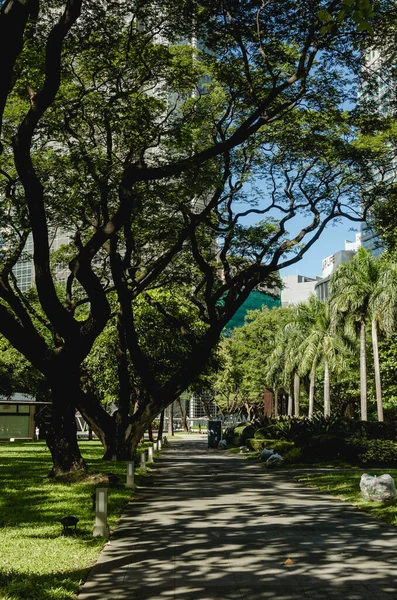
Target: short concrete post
{"points": [[130, 475], [143, 461], [101, 527], [159, 445], [165, 441], [150, 454]]}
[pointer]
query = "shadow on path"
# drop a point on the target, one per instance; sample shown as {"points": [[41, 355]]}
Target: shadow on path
{"points": [[211, 525]]}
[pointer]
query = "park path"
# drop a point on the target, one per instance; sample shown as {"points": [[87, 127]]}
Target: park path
{"points": [[210, 525]]}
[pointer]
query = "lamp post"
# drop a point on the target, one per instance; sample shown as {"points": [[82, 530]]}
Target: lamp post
{"points": [[101, 527]]}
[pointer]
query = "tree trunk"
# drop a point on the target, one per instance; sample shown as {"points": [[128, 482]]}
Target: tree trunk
{"points": [[311, 392], [363, 372], [205, 404], [161, 426], [275, 403], [183, 414], [327, 401], [103, 425], [378, 384], [290, 404], [171, 419], [150, 433], [61, 434], [297, 382]]}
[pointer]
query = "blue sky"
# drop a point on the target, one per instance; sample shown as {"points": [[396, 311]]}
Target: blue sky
{"points": [[332, 240]]}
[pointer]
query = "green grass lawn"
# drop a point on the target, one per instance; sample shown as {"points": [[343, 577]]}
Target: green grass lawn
{"points": [[346, 485], [36, 561]]}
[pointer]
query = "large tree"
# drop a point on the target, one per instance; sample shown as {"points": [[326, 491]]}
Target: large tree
{"points": [[141, 146]]}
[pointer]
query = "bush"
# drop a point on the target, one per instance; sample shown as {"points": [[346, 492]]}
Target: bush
{"points": [[324, 447], [386, 430], [243, 433], [261, 433], [294, 455], [371, 452], [279, 446]]}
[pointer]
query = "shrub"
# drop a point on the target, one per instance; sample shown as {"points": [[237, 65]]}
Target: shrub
{"points": [[324, 447], [294, 455], [257, 444], [279, 446], [371, 452], [261, 433], [243, 433], [386, 430]]}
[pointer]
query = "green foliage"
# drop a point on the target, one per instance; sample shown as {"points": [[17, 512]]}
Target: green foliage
{"points": [[18, 375], [371, 452], [165, 338], [238, 436], [324, 447], [293, 456], [301, 430], [360, 11], [147, 153], [279, 446]]}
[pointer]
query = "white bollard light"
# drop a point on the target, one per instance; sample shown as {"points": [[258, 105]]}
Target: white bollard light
{"points": [[101, 527], [130, 475], [150, 454], [143, 461]]}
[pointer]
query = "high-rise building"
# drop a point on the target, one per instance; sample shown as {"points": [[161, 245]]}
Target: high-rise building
{"points": [[297, 288], [377, 90], [331, 263], [24, 268]]}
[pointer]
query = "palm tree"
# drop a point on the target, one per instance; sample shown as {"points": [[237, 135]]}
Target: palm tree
{"points": [[306, 315], [283, 362], [383, 310], [321, 346], [356, 296]]}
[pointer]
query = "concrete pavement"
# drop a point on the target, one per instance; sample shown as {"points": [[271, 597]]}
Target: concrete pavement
{"points": [[210, 525]]}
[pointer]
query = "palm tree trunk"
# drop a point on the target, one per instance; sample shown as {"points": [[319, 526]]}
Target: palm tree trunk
{"points": [[377, 371], [297, 382], [363, 372], [311, 392], [276, 403], [289, 409], [327, 401]]}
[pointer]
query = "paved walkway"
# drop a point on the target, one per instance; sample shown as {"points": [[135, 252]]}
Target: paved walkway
{"points": [[211, 525]]}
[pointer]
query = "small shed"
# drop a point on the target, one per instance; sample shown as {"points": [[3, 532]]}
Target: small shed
{"points": [[17, 416]]}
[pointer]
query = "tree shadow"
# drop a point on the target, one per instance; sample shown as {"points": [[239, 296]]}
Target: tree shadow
{"points": [[216, 526]]}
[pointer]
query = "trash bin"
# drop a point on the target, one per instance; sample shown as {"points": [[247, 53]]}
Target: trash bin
{"points": [[214, 433]]}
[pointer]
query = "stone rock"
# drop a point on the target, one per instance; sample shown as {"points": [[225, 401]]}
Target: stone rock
{"points": [[265, 454], [274, 460], [377, 489]]}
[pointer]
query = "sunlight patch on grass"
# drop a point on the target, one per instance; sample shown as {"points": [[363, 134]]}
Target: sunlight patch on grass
{"points": [[36, 561], [346, 485]]}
